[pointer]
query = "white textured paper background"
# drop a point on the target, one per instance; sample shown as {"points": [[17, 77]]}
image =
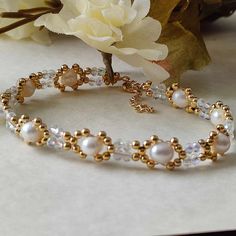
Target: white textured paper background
{"points": [[43, 193]]}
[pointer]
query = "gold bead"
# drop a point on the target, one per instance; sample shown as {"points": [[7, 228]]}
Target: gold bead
{"points": [[151, 164], [136, 157], [178, 148], [226, 108], [188, 91], [106, 156], [14, 120], [78, 134], [147, 143], [175, 86], [154, 139], [24, 117], [111, 148], [210, 141], [219, 104], [136, 144], [174, 141], [76, 148], [67, 146], [85, 132], [182, 154], [46, 134], [202, 142], [42, 127], [82, 155], [213, 134], [44, 140], [144, 158], [102, 134], [170, 166], [67, 136], [73, 140], [107, 141], [37, 121], [64, 67], [98, 158], [220, 127], [177, 162], [202, 157]]}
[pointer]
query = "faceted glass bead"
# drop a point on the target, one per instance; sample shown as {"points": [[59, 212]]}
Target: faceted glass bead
{"points": [[193, 150], [122, 150], [94, 71], [47, 80], [56, 140], [96, 81], [101, 71]]}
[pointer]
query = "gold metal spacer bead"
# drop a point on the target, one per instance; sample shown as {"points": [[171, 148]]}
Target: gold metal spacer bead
{"points": [[37, 121], [136, 144], [78, 134], [67, 146], [111, 148], [170, 166], [147, 143], [144, 158], [82, 155], [75, 148], [67, 136], [174, 141], [136, 157], [73, 140], [102, 134], [98, 158], [85, 132], [107, 141], [154, 139], [106, 156], [151, 164]]}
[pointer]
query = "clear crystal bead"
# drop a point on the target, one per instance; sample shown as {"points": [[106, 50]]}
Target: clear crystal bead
{"points": [[10, 126], [229, 126], [94, 71], [204, 115], [48, 78], [193, 151], [56, 140], [101, 71], [201, 103], [96, 81], [122, 150], [162, 87]]}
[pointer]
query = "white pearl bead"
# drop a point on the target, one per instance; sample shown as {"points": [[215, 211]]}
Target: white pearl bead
{"points": [[179, 98], [28, 89], [162, 153], [30, 134], [69, 78], [222, 144], [91, 146], [217, 117]]}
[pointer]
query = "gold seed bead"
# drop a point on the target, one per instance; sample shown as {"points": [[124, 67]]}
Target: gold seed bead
{"points": [[46, 134], [177, 162], [147, 143], [14, 120], [151, 164], [219, 104], [82, 155], [37, 121], [67, 136], [220, 127], [202, 142], [178, 148], [154, 139], [144, 158], [85, 132], [42, 127], [106, 156], [24, 117], [67, 146], [188, 91], [210, 141], [98, 158], [174, 141], [182, 154], [136, 157], [213, 134], [136, 144], [226, 108], [202, 157], [44, 140], [64, 67], [73, 140], [170, 166], [78, 134], [102, 134], [107, 141], [175, 86], [76, 148], [111, 148]]}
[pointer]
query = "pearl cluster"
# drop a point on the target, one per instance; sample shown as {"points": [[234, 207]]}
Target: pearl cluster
{"points": [[152, 152]]}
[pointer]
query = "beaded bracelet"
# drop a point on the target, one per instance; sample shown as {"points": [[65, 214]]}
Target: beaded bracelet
{"points": [[152, 152]]}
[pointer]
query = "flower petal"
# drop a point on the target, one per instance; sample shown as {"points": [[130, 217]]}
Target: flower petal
{"points": [[142, 7]]}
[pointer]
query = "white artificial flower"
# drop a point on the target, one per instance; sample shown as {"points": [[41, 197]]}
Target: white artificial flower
{"points": [[113, 26], [28, 30]]}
